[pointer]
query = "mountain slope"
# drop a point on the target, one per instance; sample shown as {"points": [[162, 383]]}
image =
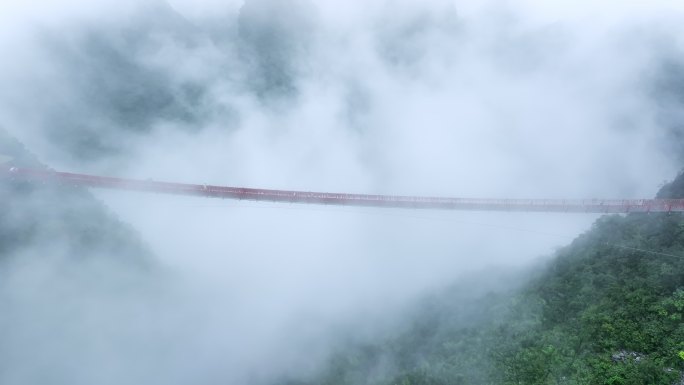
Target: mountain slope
{"points": [[60, 218], [607, 309]]}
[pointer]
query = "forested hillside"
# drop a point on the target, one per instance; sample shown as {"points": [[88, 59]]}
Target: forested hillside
{"points": [[65, 220], [607, 309]]}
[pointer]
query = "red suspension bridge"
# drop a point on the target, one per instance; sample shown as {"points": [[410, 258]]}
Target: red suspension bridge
{"points": [[342, 199]]}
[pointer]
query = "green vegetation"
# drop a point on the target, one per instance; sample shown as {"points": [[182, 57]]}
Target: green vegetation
{"points": [[64, 220], [608, 309]]}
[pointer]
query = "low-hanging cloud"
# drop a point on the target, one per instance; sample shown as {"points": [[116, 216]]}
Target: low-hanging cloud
{"points": [[501, 99]]}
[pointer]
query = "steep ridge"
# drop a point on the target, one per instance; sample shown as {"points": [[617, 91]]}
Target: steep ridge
{"points": [[77, 286], [54, 217]]}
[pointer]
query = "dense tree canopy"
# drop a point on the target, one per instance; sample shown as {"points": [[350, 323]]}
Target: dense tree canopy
{"points": [[607, 309]]}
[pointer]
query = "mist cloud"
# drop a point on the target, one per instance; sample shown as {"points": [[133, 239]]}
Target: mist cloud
{"points": [[502, 99]]}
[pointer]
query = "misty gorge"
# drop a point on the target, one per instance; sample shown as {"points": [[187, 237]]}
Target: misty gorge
{"points": [[371, 110]]}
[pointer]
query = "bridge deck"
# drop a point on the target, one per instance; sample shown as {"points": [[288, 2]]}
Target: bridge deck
{"points": [[343, 199]]}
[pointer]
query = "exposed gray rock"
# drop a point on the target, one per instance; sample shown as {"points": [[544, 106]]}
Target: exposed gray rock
{"points": [[626, 356]]}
